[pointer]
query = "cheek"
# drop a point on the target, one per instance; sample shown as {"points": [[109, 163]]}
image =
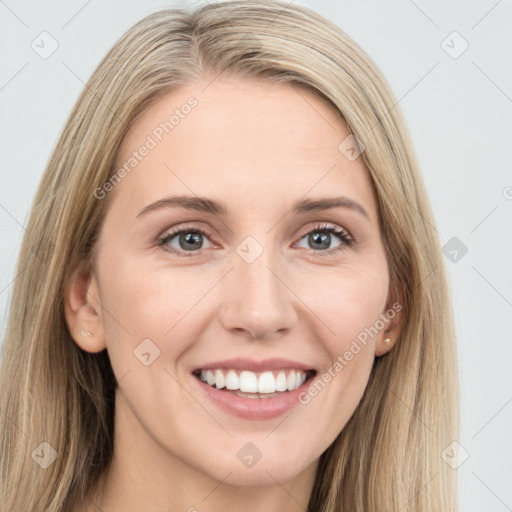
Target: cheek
{"points": [[349, 301], [153, 318], [150, 303], [349, 306]]}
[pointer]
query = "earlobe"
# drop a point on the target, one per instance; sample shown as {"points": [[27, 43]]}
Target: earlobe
{"points": [[392, 317], [384, 345], [83, 321]]}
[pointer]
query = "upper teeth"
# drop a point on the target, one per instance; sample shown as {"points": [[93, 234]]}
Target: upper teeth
{"points": [[250, 382]]}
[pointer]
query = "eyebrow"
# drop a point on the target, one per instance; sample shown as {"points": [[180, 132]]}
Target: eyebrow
{"points": [[203, 204]]}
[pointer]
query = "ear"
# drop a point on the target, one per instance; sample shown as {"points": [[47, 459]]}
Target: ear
{"points": [[81, 306], [392, 317]]}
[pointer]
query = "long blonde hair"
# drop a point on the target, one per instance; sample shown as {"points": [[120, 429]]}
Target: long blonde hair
{"points": [[388, 456]]}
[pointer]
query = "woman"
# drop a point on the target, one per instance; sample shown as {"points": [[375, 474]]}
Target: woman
{"points": [[230, 292]]}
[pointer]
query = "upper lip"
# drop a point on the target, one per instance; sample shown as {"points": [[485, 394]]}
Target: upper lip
{"points": [[255, 365]]}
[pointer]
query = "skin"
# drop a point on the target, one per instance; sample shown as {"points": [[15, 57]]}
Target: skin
{"points": [[258, 148]]}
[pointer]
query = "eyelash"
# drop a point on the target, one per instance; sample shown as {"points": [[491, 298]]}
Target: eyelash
{"points": [[342, 234]]}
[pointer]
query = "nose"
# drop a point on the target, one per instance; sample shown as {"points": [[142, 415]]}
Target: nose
{"points": [[258, 302]]}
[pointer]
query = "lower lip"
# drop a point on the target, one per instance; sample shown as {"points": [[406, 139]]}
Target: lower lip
{"points": [[253, 408]]}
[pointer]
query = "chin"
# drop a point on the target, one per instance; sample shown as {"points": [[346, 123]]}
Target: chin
{"points": [[277, 469]]}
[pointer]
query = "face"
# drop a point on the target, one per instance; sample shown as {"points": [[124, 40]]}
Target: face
{"points": [[252, 284]]}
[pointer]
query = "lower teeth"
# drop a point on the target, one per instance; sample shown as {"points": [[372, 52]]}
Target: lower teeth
{"points": [[257, 395]]}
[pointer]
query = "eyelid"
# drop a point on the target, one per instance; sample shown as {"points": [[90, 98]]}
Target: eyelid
{"points": [[321, 226], [187, 226]]}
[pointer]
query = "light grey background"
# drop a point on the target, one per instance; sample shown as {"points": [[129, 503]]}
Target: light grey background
{"points": [[459, 114]]}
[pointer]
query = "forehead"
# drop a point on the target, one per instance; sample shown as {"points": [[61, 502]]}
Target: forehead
{"points": [[221, 108], [257, 139]]}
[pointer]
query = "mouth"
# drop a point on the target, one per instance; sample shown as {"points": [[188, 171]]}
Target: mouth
{"points": [[256, 385], [254, 389]]}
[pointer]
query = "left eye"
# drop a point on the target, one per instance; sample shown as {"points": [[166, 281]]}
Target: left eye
{"points": [[321, 237]]}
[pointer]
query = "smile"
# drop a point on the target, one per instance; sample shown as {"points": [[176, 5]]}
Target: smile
{"points": [[250, 384], [232, 385]]}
